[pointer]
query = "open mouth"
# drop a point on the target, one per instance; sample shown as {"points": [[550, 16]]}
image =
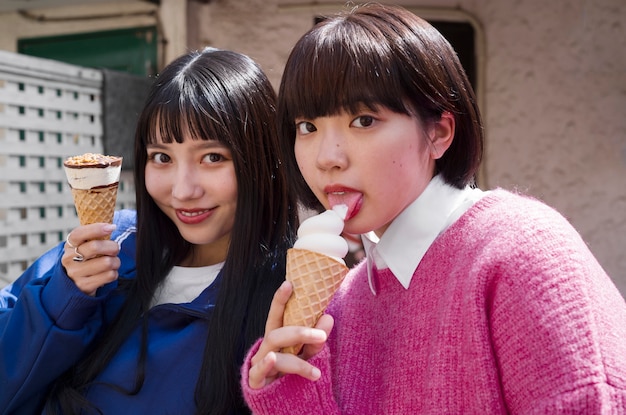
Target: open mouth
{"points": [[351, 198]]}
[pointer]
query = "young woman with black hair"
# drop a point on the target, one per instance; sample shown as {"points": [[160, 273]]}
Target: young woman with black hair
{"points": [[157, 318]]}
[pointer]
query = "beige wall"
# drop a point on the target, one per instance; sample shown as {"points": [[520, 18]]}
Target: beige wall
{"points": [[552, 91]]}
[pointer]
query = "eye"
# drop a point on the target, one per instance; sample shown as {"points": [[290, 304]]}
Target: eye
{"points": [[213, 158], [159, 158], [363, 121], [305, 127]]}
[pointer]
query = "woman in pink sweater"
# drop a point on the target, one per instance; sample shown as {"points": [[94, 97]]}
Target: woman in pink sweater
{"points": [[469, 301]]}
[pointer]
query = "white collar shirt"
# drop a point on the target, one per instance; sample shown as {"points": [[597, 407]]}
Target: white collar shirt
{"points": [[408, 237]]}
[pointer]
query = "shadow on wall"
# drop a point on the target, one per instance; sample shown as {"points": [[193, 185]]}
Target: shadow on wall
{"points": [[123, 98]]}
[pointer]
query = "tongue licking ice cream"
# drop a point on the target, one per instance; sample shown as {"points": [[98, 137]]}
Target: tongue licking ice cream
{"points": [[315, 268], [94, 179]]}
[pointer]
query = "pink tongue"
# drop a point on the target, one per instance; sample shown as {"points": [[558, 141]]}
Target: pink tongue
{"points": [[350, 199]]}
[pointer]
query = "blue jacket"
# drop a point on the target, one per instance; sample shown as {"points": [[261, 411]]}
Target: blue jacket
{"points": [[46, 324]]}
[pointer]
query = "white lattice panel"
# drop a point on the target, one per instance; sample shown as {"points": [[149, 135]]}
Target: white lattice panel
{"points": [[48, 111]]}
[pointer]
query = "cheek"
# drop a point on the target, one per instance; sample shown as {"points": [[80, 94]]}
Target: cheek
{"points": [[156, 185], [297, 151], [303, 158], [232, 190], [226, 184]]}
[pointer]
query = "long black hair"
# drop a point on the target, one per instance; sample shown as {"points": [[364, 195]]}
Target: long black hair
{"points": [[222, 95], [380, 55]]}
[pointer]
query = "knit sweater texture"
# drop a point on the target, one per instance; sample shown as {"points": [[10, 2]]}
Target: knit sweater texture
{"points": [[508, 312]]}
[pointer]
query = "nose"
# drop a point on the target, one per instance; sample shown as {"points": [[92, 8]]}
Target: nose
{"points": [[187, 185], [331, 152]]}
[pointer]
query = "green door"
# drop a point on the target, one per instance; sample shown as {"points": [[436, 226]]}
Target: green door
{"points": [[128, 50]]}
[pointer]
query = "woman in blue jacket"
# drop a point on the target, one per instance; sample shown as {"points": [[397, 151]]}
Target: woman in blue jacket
{"points": [[162, 330]]}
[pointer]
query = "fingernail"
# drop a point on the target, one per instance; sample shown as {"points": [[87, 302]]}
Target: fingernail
{"points": [[109, 227], [315, 373]]}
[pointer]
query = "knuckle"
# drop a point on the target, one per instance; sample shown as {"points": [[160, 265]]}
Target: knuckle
{"points": [[110, 262], [110, 276], [270, 340]]}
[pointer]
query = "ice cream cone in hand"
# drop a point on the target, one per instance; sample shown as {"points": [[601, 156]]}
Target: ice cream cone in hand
{"points": [[315, 269], [94, 180]]}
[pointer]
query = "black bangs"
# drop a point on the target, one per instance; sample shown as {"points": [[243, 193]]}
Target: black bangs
{"points": [[198, 113], [341, 68]]}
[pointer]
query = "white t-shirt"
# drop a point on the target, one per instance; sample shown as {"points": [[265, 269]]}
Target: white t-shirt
{"points": [[184, 284]]}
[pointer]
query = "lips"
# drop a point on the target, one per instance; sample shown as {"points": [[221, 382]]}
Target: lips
{"points": [[338, 195], [193, 216]]}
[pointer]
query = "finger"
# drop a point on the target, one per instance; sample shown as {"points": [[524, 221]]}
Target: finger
{"points": [[282, 337], [277, 308], [86, 233], [92, 263], [97, 248], [273, 364], [92, 274], [89, 250], [291, 364], [263, 372], [325, 324], [92, 266]]}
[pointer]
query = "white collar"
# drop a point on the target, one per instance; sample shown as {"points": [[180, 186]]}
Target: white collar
{"points": [[406, 240]]}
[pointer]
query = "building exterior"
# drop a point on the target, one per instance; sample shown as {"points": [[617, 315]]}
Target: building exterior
{"points": [[550, 77]]}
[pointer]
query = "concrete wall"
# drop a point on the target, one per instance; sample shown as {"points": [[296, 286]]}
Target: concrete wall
{"points": [[556, 113], [552, 90]]}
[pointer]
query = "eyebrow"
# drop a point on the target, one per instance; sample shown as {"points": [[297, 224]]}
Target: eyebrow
{"points": [[200, 144]]}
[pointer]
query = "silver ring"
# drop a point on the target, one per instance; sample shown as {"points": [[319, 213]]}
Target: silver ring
{"points": [[67, 240], [78, 257]]}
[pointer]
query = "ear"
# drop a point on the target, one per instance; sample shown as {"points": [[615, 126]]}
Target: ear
{"points": [[441, 135]]}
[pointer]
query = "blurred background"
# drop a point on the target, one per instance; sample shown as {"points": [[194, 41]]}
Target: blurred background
{"points": [[550, 79]]}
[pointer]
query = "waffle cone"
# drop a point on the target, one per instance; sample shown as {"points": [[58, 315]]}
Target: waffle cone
{"points": [[95, 205], [315, 279]]}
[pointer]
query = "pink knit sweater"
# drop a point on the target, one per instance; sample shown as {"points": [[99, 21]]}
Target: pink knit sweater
{"points": [[508, 312]]}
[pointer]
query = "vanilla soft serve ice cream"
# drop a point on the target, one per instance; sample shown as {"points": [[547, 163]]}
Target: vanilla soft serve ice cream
{"points": [[322, 233], [315, 268]]}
